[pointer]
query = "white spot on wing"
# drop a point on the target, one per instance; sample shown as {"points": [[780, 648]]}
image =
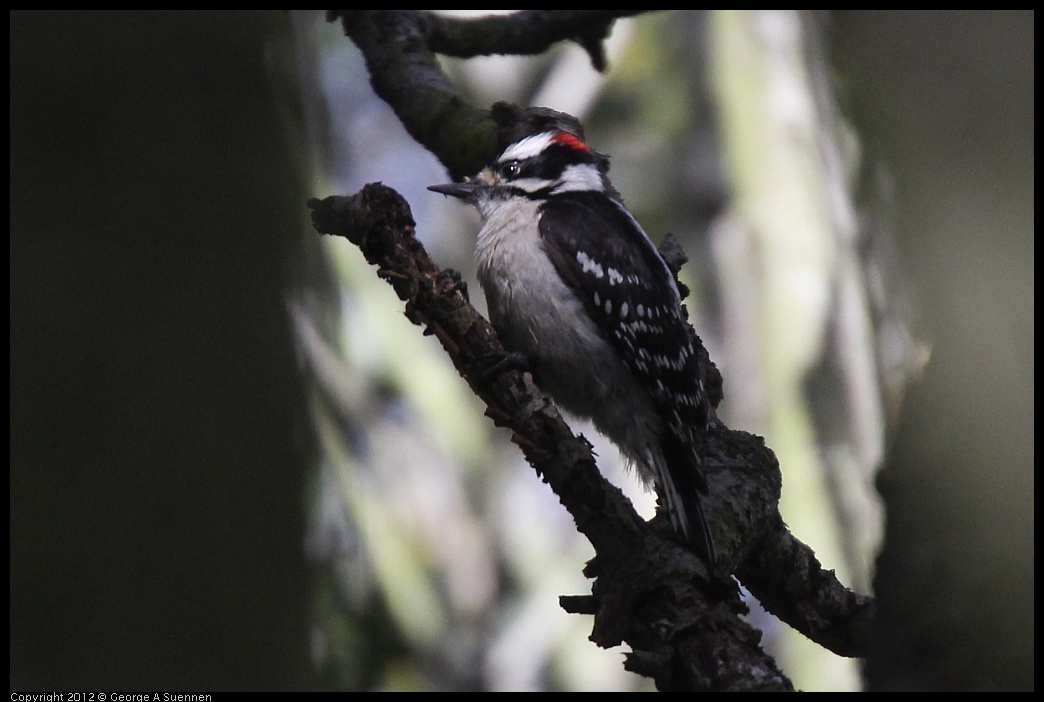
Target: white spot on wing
{"points": [[589, 265]]}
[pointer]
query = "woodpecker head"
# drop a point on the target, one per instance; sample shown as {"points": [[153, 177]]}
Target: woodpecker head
{"points": [[535, 167]]}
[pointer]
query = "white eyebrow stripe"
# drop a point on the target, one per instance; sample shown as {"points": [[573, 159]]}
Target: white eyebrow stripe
{"points": [[527, 148]]}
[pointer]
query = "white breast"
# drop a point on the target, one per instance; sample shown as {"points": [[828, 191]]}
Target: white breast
{"points": [[537, 314]]}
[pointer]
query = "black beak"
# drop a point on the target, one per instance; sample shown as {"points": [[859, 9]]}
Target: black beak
{"points": [[465, 191]]}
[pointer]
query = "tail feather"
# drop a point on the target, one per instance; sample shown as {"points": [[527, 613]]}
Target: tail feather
{"points": [[681, 481], [698, 531]]}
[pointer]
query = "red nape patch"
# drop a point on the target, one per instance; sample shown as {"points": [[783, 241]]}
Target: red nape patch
{"points": [[567, 139]]}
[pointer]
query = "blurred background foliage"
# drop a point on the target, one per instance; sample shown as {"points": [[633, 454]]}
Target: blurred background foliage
{"points": [[235, 464]]}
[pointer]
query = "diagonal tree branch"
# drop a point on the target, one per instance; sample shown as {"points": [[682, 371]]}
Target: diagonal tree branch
{"points": [[523, 33], [682, 622], [405, 73], [400, 48]]}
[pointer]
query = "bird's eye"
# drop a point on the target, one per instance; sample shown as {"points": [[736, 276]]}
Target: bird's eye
{"points": [[511, 169]]}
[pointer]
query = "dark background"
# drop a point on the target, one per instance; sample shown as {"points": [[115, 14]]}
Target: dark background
{"points": [[159, 449], [947, 99], [157, 467]]}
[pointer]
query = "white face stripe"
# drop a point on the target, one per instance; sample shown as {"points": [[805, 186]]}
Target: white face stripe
{"points": [[527, 148], [530, 185], [580, 177]]}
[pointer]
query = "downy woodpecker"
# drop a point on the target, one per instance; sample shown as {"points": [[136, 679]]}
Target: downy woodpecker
{"points": [[574, 283]]}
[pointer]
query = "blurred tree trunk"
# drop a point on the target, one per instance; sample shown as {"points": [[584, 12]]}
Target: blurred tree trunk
{"points": [[948, 100], [157, 467]]}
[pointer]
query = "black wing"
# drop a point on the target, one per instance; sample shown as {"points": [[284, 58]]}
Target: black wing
{"points": [[602, 252], [629, 290]]}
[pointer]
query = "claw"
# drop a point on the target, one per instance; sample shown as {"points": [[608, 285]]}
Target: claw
{"points": [[498, 363], [458, 285]]}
